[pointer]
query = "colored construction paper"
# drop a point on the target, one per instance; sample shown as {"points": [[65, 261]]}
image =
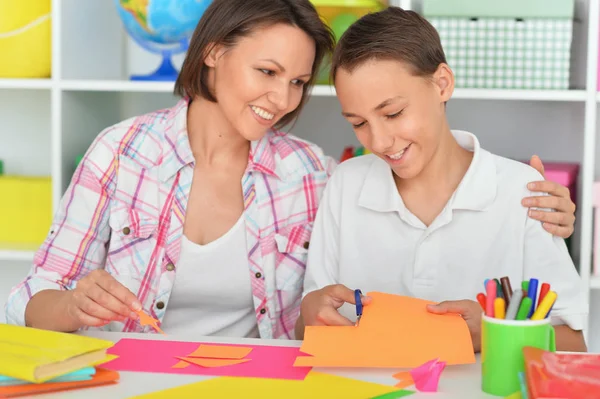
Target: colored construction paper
{"points": [[427, 376], [405, 378], [221, 351], [146, 320], [315, 386], [204, 362], [157, 356], [101, 377], [181, 365], [394, 331], [394, 395], [516, 395]]}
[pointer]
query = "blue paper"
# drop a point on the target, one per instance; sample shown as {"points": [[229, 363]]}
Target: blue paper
{"points": [[83, 374]]}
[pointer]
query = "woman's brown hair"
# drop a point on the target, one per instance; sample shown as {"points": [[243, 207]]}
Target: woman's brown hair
{"points": [[226, 21], [391, 34]]}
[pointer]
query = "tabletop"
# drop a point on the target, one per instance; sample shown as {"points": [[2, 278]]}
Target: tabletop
{"points": [[463, 381]]}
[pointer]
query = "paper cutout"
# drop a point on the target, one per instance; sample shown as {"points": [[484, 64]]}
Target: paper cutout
{"points": [[158, 356], [146, 320], [516, 395], [204, 362], [427, 376], [101, 377], [394, 331], [394, 395], [221, 351], [315, 386], [405, 378], [181, 365]]}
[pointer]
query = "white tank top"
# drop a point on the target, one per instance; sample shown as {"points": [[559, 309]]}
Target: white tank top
{"points": [[212, 293]]}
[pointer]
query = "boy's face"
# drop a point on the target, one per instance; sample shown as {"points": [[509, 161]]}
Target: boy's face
{"points": [[398, 116]]}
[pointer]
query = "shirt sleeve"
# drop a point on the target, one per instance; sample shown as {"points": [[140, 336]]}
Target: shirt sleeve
{"points": [[79, 233], [323, 256], [547, 259]]}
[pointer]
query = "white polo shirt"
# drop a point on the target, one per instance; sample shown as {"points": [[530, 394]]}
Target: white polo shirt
{"points": [[364, 237]]}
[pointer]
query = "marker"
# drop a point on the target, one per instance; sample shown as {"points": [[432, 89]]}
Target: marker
{"points": [[491, 295], [524, 309], [481, 300], [498, 289], [499, 308], [543, 291], [485, 283], [506, 289], [532, 293], [525, 285], [514, 304], [544, 307]]}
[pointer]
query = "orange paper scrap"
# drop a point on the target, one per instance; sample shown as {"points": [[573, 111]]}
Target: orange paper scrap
{"points": [[211, 362], [146, 320], [221, 351], [394, 331], [405, 379], [181, 365]]}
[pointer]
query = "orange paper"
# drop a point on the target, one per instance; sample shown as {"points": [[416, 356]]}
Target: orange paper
{"points": [[221, 351], [212, 362], [146, 320], [405, 378], [394, 331], [102, 377], [181, 365]]}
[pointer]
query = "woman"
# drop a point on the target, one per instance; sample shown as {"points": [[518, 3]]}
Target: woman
{"points": [[203, 209], [430, 214]]}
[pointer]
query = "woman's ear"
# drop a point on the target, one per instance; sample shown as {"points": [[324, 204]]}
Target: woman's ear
{"points": [[213, 53], [444, 80]]}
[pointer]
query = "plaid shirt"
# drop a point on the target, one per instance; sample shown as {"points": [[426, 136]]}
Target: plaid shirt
{"points": [[125, 208]]}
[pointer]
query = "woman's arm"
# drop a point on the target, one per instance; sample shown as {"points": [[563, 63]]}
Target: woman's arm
{"points": [[569, 340]]}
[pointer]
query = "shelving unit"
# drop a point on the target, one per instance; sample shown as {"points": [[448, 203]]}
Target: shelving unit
{"points": [[89, 90]]}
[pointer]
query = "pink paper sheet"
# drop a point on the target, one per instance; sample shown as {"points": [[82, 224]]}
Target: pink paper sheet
{"points": [[427, 376], [154, 356]]}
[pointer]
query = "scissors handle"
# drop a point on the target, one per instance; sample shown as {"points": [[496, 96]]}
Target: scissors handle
{"points": [[359, 305]]}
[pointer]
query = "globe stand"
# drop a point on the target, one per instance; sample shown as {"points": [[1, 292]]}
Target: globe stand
{"points": [[166, 72]]}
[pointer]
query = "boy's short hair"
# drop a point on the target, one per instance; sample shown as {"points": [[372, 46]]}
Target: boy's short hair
{"points": [[391, 34]]}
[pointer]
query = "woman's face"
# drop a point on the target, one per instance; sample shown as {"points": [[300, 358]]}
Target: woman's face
{"points": [[261, 78], [396, 115]]}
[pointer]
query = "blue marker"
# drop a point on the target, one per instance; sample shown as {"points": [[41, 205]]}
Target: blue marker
{"points": [[485, 283], [532, 293]]}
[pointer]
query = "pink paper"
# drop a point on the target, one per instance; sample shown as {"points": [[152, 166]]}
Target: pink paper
{"points": [[427, 376], [154, 356]]}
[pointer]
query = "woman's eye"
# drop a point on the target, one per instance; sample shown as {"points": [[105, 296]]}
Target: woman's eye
{"points": [[267, 72], [298, 82], [392, 116], [357, 125]]}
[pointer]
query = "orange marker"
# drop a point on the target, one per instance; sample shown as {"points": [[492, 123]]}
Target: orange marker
{"points": [[481, 300], [499, 308]]}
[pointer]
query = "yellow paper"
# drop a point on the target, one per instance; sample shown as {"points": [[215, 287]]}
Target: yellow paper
{"points": [[24, 349], [315, 386], [395, 331]]}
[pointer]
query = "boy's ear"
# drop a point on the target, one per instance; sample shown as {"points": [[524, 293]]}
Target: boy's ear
{"points": [[212, 54], [444, 79]]}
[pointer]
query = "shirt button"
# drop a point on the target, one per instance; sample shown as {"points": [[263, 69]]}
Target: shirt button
{"points": [[263, 311], [160, 305], [258, 275], [306, 244], [170, 267], [126, 230]]}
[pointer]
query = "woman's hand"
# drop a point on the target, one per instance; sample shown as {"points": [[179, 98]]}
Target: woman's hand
{"points": [[99, 299], [320, 307], [470, 311], [561, 222]]}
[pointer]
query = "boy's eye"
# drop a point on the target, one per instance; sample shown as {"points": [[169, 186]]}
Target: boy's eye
{"points": [[357, 125], [392, 116]]}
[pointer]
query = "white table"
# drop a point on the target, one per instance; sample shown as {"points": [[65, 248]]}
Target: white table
{"points": [[456, 382]]}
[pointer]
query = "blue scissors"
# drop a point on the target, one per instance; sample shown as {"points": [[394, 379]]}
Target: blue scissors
{"points": [[359, 306]]}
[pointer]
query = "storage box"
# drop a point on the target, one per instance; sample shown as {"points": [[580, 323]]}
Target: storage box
{"points": [[505, 45], [25, 210]]}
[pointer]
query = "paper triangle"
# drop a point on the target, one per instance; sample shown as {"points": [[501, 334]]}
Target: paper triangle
{"points": [[213, 362]]}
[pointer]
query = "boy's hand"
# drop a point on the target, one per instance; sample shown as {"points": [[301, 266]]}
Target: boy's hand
{"points": [[470, 311], [320, 308]]}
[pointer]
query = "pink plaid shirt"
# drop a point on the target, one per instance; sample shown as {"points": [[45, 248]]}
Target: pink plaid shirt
{"points": [[125, 207]]}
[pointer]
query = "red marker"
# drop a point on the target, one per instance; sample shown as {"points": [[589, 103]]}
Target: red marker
{"points": [[543, 291], [481, 300]]}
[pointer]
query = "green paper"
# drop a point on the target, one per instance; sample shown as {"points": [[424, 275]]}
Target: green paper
{"points": [[393, 395]]}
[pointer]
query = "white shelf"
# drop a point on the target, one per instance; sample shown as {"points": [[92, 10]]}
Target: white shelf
{"points": [[523, 95], [16, 255], [595, 282], [26, 84], [117, 86]]}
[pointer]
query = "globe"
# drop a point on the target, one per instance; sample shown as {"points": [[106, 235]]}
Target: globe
{"points": [[161, 26]]}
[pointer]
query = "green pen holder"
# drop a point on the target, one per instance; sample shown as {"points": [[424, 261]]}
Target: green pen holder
{"points": [[502, 343]]}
